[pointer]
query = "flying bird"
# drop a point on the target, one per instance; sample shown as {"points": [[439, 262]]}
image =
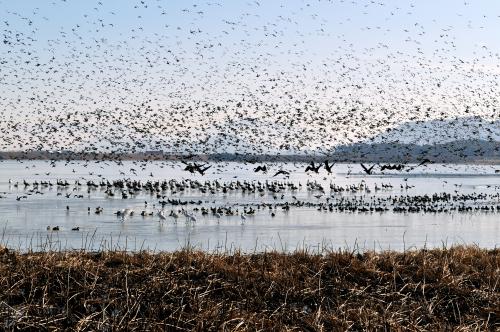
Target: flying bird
{"points": [[368, 170]]}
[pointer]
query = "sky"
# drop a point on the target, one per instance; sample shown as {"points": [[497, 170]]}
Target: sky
{"points": [[317, 26], [81, 56]]}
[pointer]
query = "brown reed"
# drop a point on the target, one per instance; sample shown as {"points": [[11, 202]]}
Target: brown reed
{"points": [[418, 290]]}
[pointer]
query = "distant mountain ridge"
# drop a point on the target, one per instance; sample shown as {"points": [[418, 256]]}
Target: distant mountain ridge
{"points": [[454, 152], [457, 151], [440, 131], [479, 142], [466, 139]]}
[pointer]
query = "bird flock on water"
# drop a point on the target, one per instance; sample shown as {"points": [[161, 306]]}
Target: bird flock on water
{"points": [[193, 199], [299, 78]]}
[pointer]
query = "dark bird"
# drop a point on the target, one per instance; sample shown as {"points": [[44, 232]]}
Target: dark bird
{"points": [[423, 162], [260, 168], [201, 169], [367, 170], [313, 167], [397, 167], [328, 167], [189, 167], [281, 172]]}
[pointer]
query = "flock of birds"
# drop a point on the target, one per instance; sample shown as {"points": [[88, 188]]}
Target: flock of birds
{"points": [[249, 78], [315, 167], [195, 198], [392, 87]]}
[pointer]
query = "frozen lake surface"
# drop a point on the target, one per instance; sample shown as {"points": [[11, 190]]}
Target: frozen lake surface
{"points": [[353, 209]]}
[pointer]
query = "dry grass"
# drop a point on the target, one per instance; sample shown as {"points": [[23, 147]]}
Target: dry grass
{"points": [[441, 289]]}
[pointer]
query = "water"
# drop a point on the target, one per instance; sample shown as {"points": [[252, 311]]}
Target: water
{"points": [[24, 222]]}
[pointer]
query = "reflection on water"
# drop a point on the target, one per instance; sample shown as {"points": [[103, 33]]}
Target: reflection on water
{"points": [[26, 211]]}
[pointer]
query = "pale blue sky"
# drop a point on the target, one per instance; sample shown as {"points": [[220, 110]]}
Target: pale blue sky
{"points": [[190, 40], [316, 26], [405, 56]]}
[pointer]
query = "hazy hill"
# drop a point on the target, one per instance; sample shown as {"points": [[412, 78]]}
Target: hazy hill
{"points": [[470, 139]]}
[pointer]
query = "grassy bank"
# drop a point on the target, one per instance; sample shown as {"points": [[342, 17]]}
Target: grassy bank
{"points": [[455, 288]]}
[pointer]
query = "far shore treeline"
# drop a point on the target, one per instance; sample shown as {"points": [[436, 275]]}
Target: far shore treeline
{"points": [[471, 151]]}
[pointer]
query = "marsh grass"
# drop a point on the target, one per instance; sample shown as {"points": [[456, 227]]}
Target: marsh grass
{"points": [[440, 289]]}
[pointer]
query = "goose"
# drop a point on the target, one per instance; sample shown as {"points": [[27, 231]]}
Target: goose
{"points": [[328, 167], [312, 167], [367, 170], [259, 168], [281, 172], [201, 169]]}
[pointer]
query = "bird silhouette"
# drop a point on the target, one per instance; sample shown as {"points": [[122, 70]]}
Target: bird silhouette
{"points": [[281, 172], [367, 170], [202, 169], [328, 166], [312, 167], [260, 168], [397, 167]]}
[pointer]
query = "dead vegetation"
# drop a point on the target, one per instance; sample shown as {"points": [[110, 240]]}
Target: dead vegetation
{"points": [[439, 289]]}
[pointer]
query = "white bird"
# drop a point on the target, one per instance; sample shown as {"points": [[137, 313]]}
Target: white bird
{"points": [[190, 217], [126, 212], [162, 216]]}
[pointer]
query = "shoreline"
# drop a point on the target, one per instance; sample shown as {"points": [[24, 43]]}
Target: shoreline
{"points": [[435, 289], [250, 158]]}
